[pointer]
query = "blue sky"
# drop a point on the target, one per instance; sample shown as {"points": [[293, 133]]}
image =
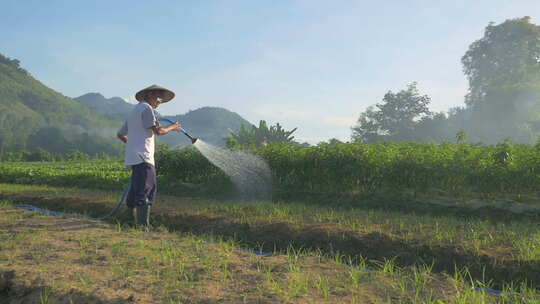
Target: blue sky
{"points": [[311, 64]]}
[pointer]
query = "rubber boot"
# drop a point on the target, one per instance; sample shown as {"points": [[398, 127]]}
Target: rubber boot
{"points": [[143, 215], [134, 214]]}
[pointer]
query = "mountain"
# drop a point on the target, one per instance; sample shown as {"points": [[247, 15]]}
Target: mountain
{"points": [[114, 108], [211, 124], [34, 116]]}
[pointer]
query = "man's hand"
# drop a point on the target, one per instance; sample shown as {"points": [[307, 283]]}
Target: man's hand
{"points": [[175, 127], [123, 138]]}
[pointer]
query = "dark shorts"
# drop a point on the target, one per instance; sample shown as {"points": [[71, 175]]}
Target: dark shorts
{"points": [[143, 185]]}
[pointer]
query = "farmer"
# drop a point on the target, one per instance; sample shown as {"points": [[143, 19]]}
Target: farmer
{"points": [[139, 132]]}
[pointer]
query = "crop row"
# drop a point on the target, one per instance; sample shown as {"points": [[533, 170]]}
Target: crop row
{"points": [[107, 175], [365, 168], [420, 167]]}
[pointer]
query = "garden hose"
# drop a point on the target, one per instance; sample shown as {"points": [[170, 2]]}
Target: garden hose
{"points": [[118, 205], [56, 213], [193, 139]]}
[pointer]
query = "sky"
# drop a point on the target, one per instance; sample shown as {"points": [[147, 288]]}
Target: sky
{"points": [[311, 64]]}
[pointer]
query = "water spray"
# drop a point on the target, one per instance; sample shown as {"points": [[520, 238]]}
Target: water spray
{"points": [[249, 173]]}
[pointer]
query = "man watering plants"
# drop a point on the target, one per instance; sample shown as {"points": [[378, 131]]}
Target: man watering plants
{"points": [[139, 132]]}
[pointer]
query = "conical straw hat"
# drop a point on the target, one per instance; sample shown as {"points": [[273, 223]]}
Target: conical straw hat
{"points": [[166, 94]]}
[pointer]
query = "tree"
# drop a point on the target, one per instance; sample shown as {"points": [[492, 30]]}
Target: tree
{"points": [[75, 154], [40, 155], [461, 136], [503, 69], [433, 128], [508, 54], [393, 119], [12, 62], [6, 130], [51, 139], [262, 135]]}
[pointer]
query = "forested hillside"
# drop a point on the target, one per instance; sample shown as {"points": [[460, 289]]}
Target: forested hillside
{"points": [[34, 116]]}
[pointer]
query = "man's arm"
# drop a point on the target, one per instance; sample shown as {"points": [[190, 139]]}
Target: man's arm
{"points": [[149, 121], [159, 130], [122, 133]]}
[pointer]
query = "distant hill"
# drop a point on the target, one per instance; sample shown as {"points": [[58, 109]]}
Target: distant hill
{"points": [[34, 116], [113, 108], [212, 124]]}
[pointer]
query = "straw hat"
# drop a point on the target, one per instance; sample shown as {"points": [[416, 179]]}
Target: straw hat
{"points": [[166, 94]]}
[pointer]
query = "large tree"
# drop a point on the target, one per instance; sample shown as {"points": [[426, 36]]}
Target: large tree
{"points": [[395, 118], [503, 69], [507, 55]]}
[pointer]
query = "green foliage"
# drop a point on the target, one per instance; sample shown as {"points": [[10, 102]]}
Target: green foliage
{"points": [[361, 168], [14, 63], [113, 108], [507, 112], [260, 136], [76, 155], [188, 165], [503, 69], [340, 169], [40, 155], [395, 118], [97, 174], [334, 141], [461, 136], [508, 54], [50, 138]]}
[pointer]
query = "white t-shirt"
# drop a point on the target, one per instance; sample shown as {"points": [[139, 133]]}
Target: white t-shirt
{"points": [[141, 139]]}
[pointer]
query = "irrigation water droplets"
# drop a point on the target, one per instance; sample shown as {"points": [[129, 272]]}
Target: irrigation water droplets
{"points": [[250, 174]]}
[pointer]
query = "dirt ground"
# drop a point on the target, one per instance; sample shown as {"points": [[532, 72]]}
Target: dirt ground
{"points": [[196, 256]]}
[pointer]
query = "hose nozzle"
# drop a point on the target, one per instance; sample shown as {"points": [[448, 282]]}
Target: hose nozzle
{"points": [[193, 139]]}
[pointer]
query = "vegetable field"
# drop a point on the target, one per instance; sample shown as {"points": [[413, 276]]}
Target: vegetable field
{"points": [[106, 175], [418, 167], [351, 229], [343, 169]]}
